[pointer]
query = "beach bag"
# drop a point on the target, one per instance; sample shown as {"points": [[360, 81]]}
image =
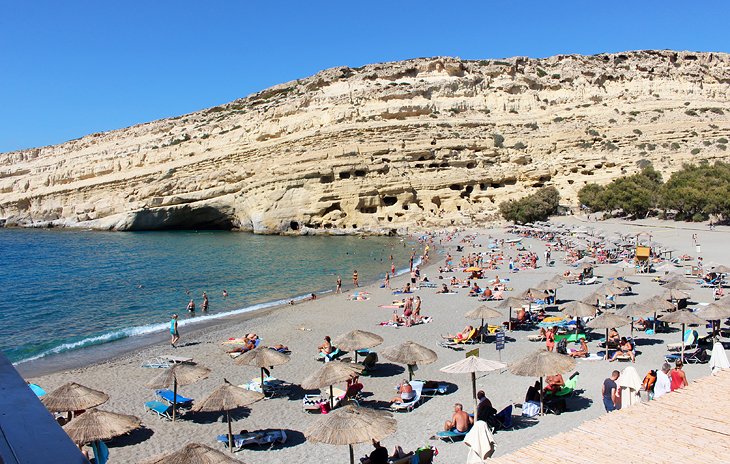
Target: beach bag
{"points": [[530, 409], [562, 347], [649, 381]]}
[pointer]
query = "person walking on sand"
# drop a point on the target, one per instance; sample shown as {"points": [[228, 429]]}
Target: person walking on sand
{"points": [[386, 284], [355, 281], [339, 285], [173, 331], [610, 391], [204, 305]]}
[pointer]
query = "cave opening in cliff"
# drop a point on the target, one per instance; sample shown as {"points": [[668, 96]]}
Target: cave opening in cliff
{"points": [[184, 218]]}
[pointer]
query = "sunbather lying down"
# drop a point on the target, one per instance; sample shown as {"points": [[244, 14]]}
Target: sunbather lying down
{"points": [[380, 454], [463, 335]]}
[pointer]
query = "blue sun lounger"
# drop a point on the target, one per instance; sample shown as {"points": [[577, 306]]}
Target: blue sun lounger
{"points": [[161, 409], [167, 396], [452, 435]]}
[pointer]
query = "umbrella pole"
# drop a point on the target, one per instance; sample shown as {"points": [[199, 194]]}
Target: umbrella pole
{"points": [[474, 393], [653, 323], [230, 432], [481, 332], [262, 380], [352, 455], [332, 399], [682, 358], [605, 356], [410, 373], [509, 323], [542, 411], [174, 397]]}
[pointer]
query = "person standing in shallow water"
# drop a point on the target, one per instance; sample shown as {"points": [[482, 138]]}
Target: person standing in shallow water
{"points": [[355, 280], [204, 305], [191, 306], [173, 331], [339, 285]]}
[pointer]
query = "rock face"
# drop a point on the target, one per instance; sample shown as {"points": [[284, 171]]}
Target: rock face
{"points": [[419, 143]]}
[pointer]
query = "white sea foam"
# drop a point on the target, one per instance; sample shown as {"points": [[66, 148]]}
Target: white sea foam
{"points": [[154, 328]]}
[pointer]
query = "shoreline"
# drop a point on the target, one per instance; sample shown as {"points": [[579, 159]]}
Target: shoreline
{"points": [[119, 349]]}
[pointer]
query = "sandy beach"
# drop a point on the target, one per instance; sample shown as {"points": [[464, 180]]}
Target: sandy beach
{"points": [[302, 327]]}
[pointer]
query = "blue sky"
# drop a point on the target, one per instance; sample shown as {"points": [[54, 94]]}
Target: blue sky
{"points": [[70, 68]]}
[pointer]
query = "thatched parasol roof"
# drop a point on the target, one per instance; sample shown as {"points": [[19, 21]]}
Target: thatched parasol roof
{"points": [[578, 309], [549, 284], [262, 357], [511, 302], [194, 453], [410, 353], [682, 317], [677, 284], [714, 312], [720, 269], [184, 374], [608, 321], [634, 310], [96, 424], [228, 397], [350, 425], [483, 312], [533, 294], [331, 373], [657, 303], [622, 284], [596, 296], [542, 363], [473, 364], [673, 294], [73, 397], [357, 340]]}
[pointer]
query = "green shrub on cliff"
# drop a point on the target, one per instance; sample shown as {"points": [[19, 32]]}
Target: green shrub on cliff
{"points": [[536, 207]]}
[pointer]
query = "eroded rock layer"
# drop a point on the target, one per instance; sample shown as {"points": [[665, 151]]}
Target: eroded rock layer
{"points": [[379, 149]]}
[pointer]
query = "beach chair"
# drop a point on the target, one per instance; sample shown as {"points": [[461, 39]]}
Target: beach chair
{"points": [[182, 402], [451, 436], [433, 388], [689, 342], [569, 388], [410, 405], [321, 403], [337, 353], [369, 363], [263, 438], [164, 362], [698, 356], [161, 409], [503, 419], [272, 388], [455, 343]]}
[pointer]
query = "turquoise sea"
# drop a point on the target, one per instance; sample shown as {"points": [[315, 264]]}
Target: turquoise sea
{"points": [[66, 290]]}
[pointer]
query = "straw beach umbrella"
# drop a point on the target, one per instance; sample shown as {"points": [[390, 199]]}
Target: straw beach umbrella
{"points": [[483, 312], [226, 398], [684, 318], [677, 284], [351, 425], [194, 453], [472, 365], [357, 340], [96, 425], [510, 303], [657, 304], [578, 309], [411, 354], [331, 373], [608, 321], [714, 312], [633, 310], [179, 374], [73, 397], [262, 357], [542, 363]]}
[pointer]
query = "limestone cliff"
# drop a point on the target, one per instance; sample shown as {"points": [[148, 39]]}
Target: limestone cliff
{"points": [[423, 142]]}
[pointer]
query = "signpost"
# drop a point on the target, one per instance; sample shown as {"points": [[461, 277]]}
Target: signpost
{"points": [[499, 343]]}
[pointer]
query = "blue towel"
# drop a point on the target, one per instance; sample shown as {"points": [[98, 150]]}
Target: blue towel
{"points": [[101, 452]]}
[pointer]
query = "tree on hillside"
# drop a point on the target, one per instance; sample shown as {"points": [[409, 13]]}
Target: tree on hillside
{"points": [[536, 207], [696, 192], [634, 195]]}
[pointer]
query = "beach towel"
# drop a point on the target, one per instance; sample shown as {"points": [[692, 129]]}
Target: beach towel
{"points": [[480, 442], [718, 360]]}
